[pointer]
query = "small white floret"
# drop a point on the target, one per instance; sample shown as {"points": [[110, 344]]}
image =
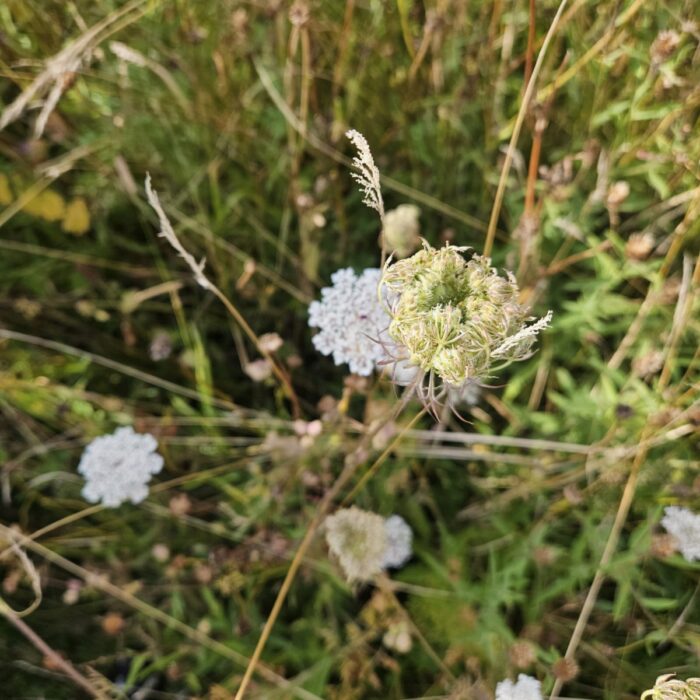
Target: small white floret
{"points": [[118, 467], [684, 525], [526, 688], [399, 542], [351, 319]]}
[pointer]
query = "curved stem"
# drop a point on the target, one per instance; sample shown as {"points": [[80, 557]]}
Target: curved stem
{"points": [[351, 465], [500, 191]]}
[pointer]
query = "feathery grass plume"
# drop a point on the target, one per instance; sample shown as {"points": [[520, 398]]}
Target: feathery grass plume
{"points": [[684, 525], [351, 319], [358, 539], [526, 688], [366, 173], [458, 320], [667, 687], [169, 234], [118, 467], [58, 70]]}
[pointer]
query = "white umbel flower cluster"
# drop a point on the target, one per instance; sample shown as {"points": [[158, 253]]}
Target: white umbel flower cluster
{"points": [[351, 320], [684, 525], [365, 544], [526, 688], [118, 467], [399, 542]]}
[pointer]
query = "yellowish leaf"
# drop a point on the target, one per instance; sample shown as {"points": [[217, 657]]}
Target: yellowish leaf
{"points": [[5, 191], [77, 218], [47, 205]]}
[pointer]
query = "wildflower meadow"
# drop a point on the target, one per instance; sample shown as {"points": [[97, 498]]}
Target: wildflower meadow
{"points": [[349, 350]]}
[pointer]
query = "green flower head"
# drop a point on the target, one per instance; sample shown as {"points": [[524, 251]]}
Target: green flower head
{"points": [[458, 319], [669, 688]]}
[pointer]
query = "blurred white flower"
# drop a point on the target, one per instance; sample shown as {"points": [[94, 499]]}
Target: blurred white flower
{"points": [[466, 394], [402, 372], [366, 544], [684, 525], [258, 370], [401, 230], [398, 637], [270, 342], [161, 346], [358, 539], [351, 319], [118, 467], [399, 540], [526, 688]]}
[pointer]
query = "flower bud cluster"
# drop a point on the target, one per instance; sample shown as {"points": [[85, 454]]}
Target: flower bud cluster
{"points": [[456, 318], [669, 688]]}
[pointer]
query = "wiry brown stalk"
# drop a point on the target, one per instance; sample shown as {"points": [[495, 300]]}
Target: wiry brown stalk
{"points": [[51, 80], [337, 156], [529, 91], [102, 583], [351, 466], [197, 268], [56, 659], [680, 320], [530, 50]]}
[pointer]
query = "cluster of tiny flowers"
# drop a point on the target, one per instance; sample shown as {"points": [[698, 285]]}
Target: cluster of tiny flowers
{"points": [[351, 320], [526, 688], [118, 467], [401, 230], [684, 525], [669, 688], [399, 542], [456, 318], [365, 544]]}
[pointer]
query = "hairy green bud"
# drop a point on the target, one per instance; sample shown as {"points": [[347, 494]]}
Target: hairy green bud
{"points": [[458, 319], [669, 688]]}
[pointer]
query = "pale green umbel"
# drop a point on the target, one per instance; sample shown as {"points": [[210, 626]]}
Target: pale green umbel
{"points": [[457, 318], [668, 687]]}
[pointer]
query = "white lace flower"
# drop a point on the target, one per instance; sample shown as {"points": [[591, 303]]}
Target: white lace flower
{"points": [[526, 688], [351, 319], [118, 467], [684, 525], [399, 541]]}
